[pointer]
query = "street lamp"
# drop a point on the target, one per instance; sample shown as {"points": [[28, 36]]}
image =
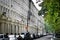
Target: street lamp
{"points": [[29, 14], [37, 27]]}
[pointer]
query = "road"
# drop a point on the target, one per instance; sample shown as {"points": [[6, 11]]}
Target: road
{"points": [[49, 37]]}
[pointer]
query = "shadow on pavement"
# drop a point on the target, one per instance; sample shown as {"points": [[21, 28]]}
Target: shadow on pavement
{"points": [[56, 38]]}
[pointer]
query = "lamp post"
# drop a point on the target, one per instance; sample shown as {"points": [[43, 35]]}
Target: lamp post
{"points": [[15, 32], [28, 15], [37, 27]]}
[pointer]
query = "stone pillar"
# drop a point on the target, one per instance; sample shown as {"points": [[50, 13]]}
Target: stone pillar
{"points": [[22, 28], [2, 28], [16, 29], [19, 28], [8, 28], [13, 28]]}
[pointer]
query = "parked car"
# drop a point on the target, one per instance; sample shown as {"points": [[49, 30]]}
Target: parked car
{"points": [[23, 35], [31, 36], [3, 37], [41, 35], [44, 34], [34, 36], [12, 37], [57, 35], [37, 36], [28, 36]]}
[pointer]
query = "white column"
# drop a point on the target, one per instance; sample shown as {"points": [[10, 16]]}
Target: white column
{"points": [[13, 28], [2, 27], [8, 28], [16, 29], [5, 27], [19, 29]]}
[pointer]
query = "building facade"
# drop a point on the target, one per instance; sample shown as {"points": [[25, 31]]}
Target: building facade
{"points": [[13, 16]]}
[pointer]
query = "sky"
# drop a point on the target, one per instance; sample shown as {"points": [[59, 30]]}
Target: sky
{"points": [[36, 4]]}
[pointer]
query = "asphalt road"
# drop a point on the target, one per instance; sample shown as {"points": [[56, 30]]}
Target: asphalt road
{"points": [[49, 37]]}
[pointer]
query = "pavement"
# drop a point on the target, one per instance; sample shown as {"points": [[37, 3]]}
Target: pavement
{"points": [[49, 37]]}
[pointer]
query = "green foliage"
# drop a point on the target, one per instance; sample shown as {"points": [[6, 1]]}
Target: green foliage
{"points": [[52, 15]]}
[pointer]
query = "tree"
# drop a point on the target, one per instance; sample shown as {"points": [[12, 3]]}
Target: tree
{"points": [[52, 15]]}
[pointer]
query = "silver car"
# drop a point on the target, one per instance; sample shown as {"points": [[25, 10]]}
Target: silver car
{"points": [[22, 35], [12, 37]]}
